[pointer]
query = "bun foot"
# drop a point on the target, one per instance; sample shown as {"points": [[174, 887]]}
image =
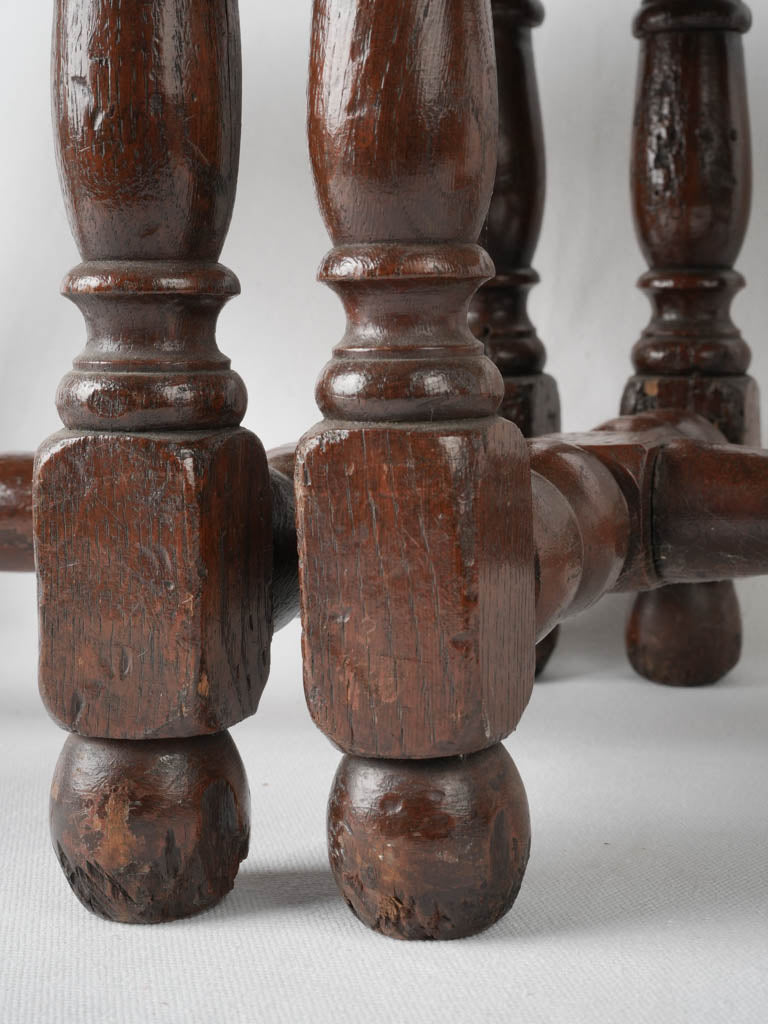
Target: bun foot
{"points": [[150, 831], [686, 634], [429, 849]]}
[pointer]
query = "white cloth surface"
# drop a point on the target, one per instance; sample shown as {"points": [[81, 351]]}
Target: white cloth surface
{"points": [[646, 898]]}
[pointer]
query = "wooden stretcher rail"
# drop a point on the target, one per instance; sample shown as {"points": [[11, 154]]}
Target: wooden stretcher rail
{"points": [[629, 506]]}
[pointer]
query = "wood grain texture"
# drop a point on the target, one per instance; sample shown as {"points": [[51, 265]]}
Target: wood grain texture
{"points": [[499, 314], [16, 549], [429, 849], [150, 832], [409, 557], [153, 576], [402, 492], [17, 539], [692, 189], [382, 176], [152, 511], [147, 107], [146, 104], [416, 570]]}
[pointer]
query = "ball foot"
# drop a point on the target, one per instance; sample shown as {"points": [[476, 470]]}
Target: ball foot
{"points": [[686, 634], [429, 849], [150, 831]]}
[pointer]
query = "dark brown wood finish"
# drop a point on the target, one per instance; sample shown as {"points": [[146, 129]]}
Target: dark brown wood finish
{"points": [[16, 533], [499, 311], [594, 502], [16, 547], [711, 512], [434, 544], [410, 564], [152, 510], [150, 832], [691, 184], [395, 828]]}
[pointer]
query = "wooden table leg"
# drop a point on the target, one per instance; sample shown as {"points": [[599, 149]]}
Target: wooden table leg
{"points": [[691, 180], [151, 508], [409, 567]]}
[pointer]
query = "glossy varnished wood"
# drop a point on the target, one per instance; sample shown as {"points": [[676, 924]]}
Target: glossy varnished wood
{"points": [[407, 571], [151, 556], [148, 626], [147, 111], [409, 840]]}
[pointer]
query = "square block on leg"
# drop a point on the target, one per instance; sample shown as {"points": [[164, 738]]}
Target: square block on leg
{"points": [[154, 564], [417, 584]]}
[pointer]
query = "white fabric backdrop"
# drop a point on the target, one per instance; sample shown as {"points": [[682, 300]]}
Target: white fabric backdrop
{"points": [[646, 898]]}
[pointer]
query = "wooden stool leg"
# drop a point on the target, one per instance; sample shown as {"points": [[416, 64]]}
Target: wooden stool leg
{"points": [[410, 573], [429, 849], [691, 179], [499, 313], [152, 508]]}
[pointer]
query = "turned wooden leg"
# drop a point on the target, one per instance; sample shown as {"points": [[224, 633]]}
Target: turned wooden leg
{"points": [[152, 509], [691, 179], [410, 570], [499, 311]]}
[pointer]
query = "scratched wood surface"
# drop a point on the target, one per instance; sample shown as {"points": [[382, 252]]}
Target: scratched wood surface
{"points": [[410, 551], [150, 832], [152, 552], [415, 546], [17, 535], [152, 510], [692, 190]]}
